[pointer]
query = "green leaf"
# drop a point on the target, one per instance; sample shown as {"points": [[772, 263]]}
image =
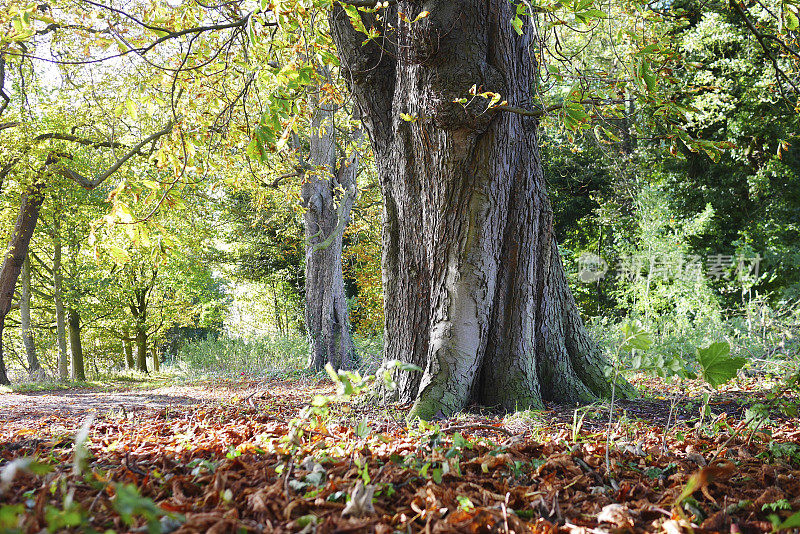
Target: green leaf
{"points": [[332, 373], [251, 32], [516, 22], [792, 22], [646, 73], [635, 337], [436, 475], [576, 112], [254, 150], [119, 255], [363, 429], [717, 365], [792, 522], [403, 366]]}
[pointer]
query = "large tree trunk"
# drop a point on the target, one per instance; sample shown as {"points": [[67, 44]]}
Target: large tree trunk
{"points": [[34, 367], [58, 301], [328, 196], [75, 347], [474, 285], [30, 203]]}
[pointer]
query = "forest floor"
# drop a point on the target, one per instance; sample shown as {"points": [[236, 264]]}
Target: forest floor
{"points": [[225, 457]]}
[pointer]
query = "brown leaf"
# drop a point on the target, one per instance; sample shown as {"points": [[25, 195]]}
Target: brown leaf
{"points": [[616, 514]]}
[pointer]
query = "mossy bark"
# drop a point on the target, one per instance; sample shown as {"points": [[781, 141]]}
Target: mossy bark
{"points": [[474, 286], [16, 252], [328, 193]]}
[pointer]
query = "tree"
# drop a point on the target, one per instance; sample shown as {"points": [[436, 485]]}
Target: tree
{"points": [[474, 285], [328, 197], [34, 367]]}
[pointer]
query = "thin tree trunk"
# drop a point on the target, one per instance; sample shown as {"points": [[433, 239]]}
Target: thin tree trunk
{"points": [[61, 331], [127, 349], [328, 196], [141, 348], [76, 349], [154, 354], [475, 290], [3, 373], [34, 367], [30, 204], [277, 307]]}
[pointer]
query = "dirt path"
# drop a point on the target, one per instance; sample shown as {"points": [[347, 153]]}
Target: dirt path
{"points": [[64, 410], [18, 407]]}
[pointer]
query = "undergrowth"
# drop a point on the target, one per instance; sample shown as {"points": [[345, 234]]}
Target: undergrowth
{"points": [[280, 356]]}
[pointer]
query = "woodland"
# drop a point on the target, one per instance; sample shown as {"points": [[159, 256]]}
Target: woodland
{"points": [[333, 266]]}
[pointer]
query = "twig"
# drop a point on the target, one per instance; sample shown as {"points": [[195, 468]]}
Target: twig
{"points": [[286, 479], [133, 468], [256, 392], [586, 467]]}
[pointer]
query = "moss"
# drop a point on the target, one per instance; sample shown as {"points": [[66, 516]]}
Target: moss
{"points": [[425, 409]]}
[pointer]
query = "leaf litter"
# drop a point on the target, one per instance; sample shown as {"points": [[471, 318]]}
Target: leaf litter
{"points": [[243, 464]]}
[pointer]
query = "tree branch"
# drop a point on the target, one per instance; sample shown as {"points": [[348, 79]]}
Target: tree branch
{"points": [[554, 107], [761, 38], [79, 140], [91, 183], [367, 3]]}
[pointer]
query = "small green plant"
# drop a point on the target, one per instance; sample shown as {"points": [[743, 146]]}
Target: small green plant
{"points": [[792, 522], [129, 504], [634, 338], [781, 504], [717, 367]]}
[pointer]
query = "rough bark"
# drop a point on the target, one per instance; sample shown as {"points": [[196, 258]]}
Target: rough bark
{"points": [[34, 367], [474, 287], [58, 302], [154, 355], [328, 196], [75, 347], [28, 215]]}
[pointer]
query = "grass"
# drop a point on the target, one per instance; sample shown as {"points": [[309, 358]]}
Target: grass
{"points": [[105, 382], [276, 357], [283, 357]]}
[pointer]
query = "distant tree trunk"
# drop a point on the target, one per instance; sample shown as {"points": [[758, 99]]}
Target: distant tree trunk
{"points": [[154, 354], [34, 367], [475, 291], [277, 307], [58, 301], [127, 349], [30, 204], [141, 348], [76, 349], [328, 196]]}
